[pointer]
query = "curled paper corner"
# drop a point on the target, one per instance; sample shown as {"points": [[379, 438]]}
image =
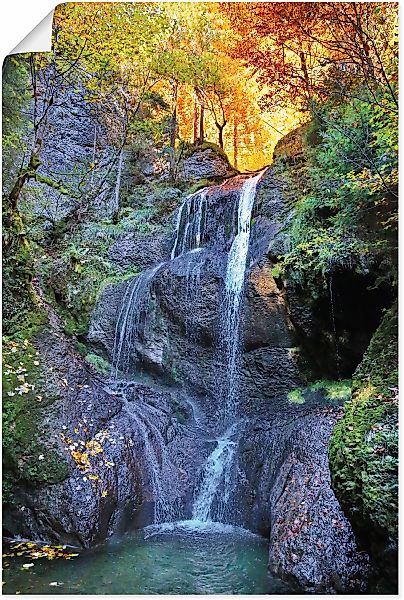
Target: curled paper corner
{"points": [[39, 39]]}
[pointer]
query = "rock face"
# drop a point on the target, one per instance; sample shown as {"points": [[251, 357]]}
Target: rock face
{"points": [[81, 141], [116, 491], [311, 540], [156, 432], [184, 316], [205, 164], [129, 251], [288, 493]]}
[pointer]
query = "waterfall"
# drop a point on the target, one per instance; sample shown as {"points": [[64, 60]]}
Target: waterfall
{"points": [[219, 474], [189, 235], [163, 507], [159, 467], [234, 288], [134, 305], [214, 499], [218, 480]]}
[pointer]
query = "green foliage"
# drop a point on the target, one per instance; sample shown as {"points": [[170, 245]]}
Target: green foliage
{"points": [[364, 445], [344, 193], [296, 396], [15, 102], [277, 271], [78, 270]]}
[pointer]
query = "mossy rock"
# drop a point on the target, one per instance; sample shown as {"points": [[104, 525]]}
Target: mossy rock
{"points": [[364, 445], [98, 363], [326, 392], [28, 457], [192, 148]]}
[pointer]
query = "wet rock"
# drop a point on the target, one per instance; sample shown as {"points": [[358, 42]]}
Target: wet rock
{"points": [[285, 464], [184, 316], [265, 316], [139, 251], [117, 491], [311, 541], [103, 323]]}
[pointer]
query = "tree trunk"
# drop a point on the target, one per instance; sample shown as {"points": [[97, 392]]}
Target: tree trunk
{"points": [[195, 122], [201, 125], [220, 128], [28, 172], [303, 64], [115, 208], [235, 142], [173, 130]]}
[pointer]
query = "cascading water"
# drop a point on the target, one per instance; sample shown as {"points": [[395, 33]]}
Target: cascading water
{"points": [[213, 500], [160, 468], [234, 287], [190, 223], [135, 303], [219, 472]]}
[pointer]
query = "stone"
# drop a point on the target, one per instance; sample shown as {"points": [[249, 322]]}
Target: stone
{"points": [[205, 164]]}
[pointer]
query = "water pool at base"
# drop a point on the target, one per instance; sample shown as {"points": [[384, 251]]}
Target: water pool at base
{"points": [[158, 560]]}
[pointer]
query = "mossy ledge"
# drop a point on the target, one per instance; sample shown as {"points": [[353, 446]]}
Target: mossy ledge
{"points": [[364, 449]]}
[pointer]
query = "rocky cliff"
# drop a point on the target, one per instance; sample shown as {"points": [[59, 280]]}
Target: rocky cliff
{"points": [[135, 449]]}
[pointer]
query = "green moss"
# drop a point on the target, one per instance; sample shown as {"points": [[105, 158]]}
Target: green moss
{"points": [[296, 396], [155, 201], [100, 364], [79, 269], [18, 296], [364, 445], [335, 391], [323, 391], [27, 454], [199, 185], [190, 149]]}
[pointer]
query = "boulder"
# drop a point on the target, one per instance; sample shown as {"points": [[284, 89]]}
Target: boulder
{"points": [[206, 163]]}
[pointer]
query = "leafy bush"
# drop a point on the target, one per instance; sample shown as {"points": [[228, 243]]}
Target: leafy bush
{"points": [[345, 193]]}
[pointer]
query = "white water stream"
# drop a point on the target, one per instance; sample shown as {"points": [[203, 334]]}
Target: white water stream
{"points": [[219, 476], [234, 288], [134, 303]]}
